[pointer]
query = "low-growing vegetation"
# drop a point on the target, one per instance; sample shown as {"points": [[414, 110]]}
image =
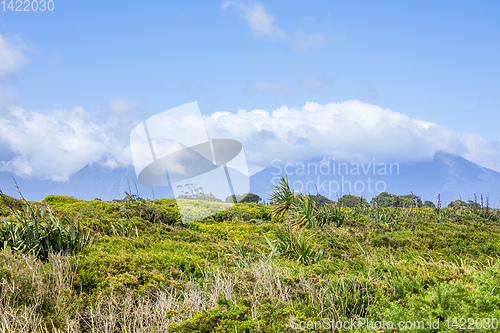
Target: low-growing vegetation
{"points": [[68, 265]]}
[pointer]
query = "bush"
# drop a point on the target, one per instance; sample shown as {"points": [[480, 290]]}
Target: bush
{"points": [[33, 231], [244, 269]]}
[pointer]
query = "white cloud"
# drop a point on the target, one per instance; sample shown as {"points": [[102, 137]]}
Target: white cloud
{"points": [[351, 130], [262, 25], [482, 152], [11, 57], [55, 144]]}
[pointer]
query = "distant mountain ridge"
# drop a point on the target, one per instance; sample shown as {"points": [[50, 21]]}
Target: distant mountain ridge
{"points": [[91, 182], [451, 176]]}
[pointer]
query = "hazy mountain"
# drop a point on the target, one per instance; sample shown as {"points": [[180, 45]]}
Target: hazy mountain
{"points": [[451, 176], [92, 181], [105, 183]]}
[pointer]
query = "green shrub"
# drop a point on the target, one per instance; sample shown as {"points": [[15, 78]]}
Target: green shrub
{"points": [[389, 263], [33, 231], [59, 200]]}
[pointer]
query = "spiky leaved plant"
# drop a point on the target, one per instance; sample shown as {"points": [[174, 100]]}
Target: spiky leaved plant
{"points": [[305, 212], [283, 199], [29, 229]]}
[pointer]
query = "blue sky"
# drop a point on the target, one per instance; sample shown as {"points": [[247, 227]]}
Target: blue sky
{"points": [[431, 61]]}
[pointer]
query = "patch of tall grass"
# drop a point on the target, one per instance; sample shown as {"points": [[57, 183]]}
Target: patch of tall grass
{"points": [[35, 230]]}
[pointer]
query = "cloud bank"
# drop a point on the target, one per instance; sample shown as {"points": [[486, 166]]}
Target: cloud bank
{"points": [[351, 131], [55, 144]]}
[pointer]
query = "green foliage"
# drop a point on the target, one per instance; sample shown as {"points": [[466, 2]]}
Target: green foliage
{"points": [[153, 259], [150, 211], [194, 210], [249, 211], [31, 230], [231, 229], [283, 197], [281, 245], [385, 199], [349, 200], [238, 316], [304, 212], [306, 255], [330, 215], [320, 200], [249, 267], [300, 213], [58, 200], [297, 209], [409, 200], [429, 204], [247, 197], [474, 297], [470, 204], [8, 203], [225, 317]]}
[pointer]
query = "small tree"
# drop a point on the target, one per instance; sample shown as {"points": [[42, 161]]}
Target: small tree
{"points": [[351, 201], [429, 204], [457, 203], [410, 200], [384, 199], [247, 197], [320, 200]]}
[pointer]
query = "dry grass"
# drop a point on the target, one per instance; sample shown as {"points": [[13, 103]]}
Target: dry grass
{"points": [[28, 286], [34, 287]]}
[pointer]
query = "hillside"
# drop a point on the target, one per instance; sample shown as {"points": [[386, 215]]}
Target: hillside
{"points": [[139, 268]]}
